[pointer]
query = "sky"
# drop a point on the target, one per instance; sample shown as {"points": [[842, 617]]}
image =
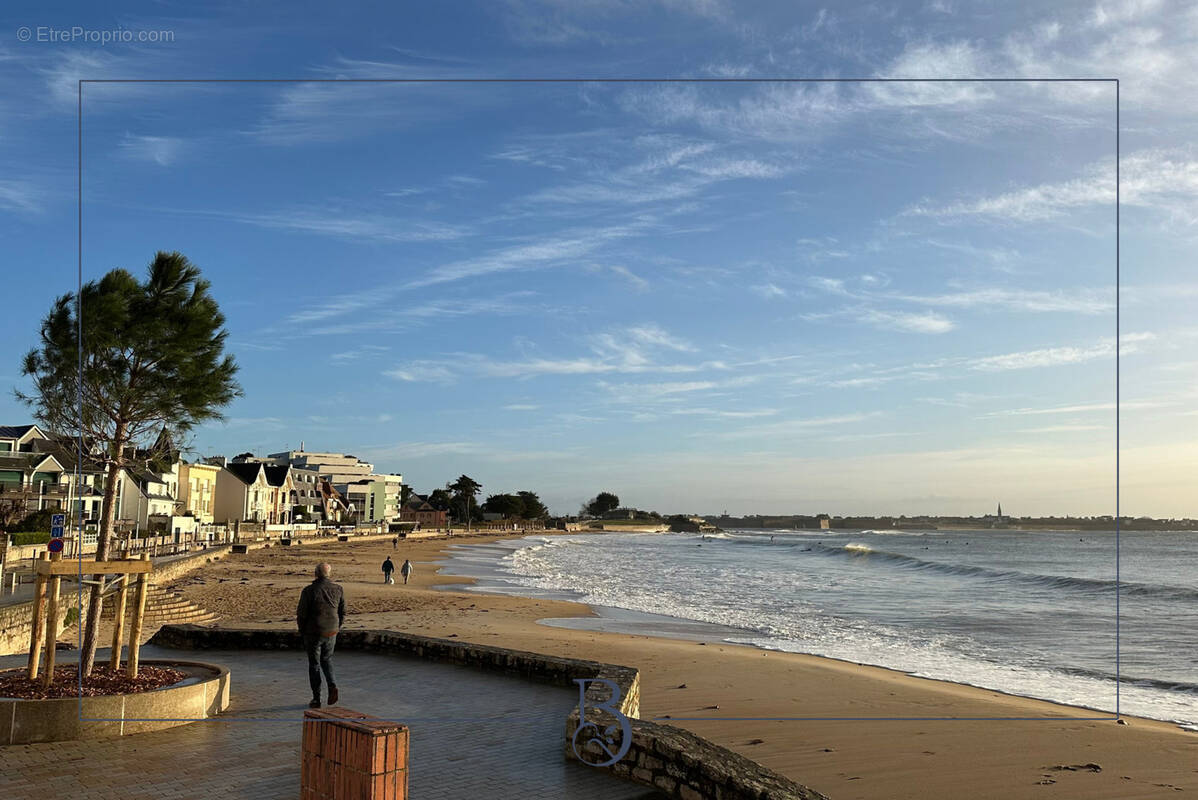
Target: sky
{"points": [[751, 295]]}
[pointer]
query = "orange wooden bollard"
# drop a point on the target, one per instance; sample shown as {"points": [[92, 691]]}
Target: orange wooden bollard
{"points": [[349, 754]]}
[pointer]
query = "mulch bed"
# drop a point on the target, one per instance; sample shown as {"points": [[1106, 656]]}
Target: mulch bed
{"points": [[102, 681]]}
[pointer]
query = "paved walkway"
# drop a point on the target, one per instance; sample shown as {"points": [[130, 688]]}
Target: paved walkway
{"points": [[473, 735]]}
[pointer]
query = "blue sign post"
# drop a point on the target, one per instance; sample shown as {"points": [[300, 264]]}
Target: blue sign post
{"points": [[56, 543]]}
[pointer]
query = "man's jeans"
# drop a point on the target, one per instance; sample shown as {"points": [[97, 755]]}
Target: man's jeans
{"points": [[320, 657]]}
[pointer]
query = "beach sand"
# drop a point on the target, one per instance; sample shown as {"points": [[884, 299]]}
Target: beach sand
{"points": [[847, 759]]}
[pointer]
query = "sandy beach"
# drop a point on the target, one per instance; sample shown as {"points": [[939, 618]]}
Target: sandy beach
{"points": [[969, 757]]}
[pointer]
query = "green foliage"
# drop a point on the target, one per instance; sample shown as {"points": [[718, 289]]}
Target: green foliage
{"points": [[464, 489], [29, 537], [71, 617], [153, 368], [509, 505], [533, 507], [36, 521], [601, 504], [153, 358], [440, 499]]}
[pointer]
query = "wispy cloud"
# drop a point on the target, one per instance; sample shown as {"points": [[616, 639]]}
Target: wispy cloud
{"points": [[562, 249], [161, 150], [792, 427], [1081, 301], [1164, 179], [20, 196], [1057, 356], [632, 349], [927, 322]]}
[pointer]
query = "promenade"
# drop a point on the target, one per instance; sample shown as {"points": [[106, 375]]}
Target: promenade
{"points": [[473, 734]]}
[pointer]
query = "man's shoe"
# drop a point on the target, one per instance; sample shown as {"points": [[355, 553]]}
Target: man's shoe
{"points": [[315, 703], [333, 696]]}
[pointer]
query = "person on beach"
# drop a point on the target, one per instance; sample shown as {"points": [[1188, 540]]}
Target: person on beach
{"points": [[320, 615], [406, 570], [395, 543], [388, 568]]}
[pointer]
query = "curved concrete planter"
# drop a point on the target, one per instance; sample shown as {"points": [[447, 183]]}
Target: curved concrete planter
{"points": [[203, 694]]}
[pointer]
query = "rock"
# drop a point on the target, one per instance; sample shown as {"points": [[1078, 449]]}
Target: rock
{"points": [[682, 686], [756, 741]]}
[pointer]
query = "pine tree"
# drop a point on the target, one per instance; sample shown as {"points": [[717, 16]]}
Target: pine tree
{"points": [[146, 358]]}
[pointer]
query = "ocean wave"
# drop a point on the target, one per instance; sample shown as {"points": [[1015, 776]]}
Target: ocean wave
{"points": [[1095, 585], [1132, 680]]}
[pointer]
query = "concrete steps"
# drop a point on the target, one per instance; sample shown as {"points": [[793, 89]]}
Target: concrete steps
{"points": [[164, 607]]}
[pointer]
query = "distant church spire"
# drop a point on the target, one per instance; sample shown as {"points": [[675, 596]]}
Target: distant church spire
{"points": [[1000, 509]]}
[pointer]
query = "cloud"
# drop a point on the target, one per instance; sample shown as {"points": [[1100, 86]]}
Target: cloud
{"points": [[792, 426], [421, 372], [20, 196], [1068, 428], [563, 249], [407, 316], [769, 290], [1058, 356], [161, 150], [521, 407], [1076, 408], [632, 349], [1162, 179], [638, 283], [927, 322], [1080, 301]]}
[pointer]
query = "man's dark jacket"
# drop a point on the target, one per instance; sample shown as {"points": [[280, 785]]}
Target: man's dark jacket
{"points": [[321, 609]]}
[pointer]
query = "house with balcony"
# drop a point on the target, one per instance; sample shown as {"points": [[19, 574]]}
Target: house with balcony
{"points": [[254, 492], [197, 491]]}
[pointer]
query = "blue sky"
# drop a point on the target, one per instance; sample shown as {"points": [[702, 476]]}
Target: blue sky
{"points": [[842, 298]]}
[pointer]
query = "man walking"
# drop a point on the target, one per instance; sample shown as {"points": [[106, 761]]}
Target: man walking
{"points": [[320, 615], [406, 570], [388, 568]]}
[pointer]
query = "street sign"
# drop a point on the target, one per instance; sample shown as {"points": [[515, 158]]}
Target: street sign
{"points": [[55, 545], [58, 520], [56, 532]]}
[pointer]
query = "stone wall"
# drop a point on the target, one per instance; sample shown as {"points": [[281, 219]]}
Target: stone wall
{"points": [[16, 621], [676, 762]]}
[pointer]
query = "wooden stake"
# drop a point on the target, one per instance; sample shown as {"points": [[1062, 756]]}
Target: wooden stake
{"points": [[52, 625], [139, 612], [118, 627], [39, 618]]}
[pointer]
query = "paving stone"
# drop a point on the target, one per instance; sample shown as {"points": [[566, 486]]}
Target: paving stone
{"points": [[473, 734]]}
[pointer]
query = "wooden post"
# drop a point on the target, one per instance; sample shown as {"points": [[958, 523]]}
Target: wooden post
{"points": [[52, 624], [139, 612], [39, 619], [118, 626]]}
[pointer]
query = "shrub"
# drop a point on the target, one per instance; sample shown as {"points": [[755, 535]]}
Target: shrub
{"points": [[29, 537], [36, 521]]}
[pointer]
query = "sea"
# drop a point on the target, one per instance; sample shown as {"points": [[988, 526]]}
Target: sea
{"points": [[1031, 613]]}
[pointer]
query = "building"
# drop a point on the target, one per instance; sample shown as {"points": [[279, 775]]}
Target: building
{"points": [[344, 471], [38, 472], [419, 511], [307, 503], [197, 491], [147, 500], [254, 492]]}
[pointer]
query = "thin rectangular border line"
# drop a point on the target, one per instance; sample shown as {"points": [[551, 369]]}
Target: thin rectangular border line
{"points": [[1115, 81]]}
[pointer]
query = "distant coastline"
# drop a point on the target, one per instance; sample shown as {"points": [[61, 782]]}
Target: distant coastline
{"points": [[988, 522]]}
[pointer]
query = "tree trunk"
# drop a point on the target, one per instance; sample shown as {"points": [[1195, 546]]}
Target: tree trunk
{"points": [[91, 631]]}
